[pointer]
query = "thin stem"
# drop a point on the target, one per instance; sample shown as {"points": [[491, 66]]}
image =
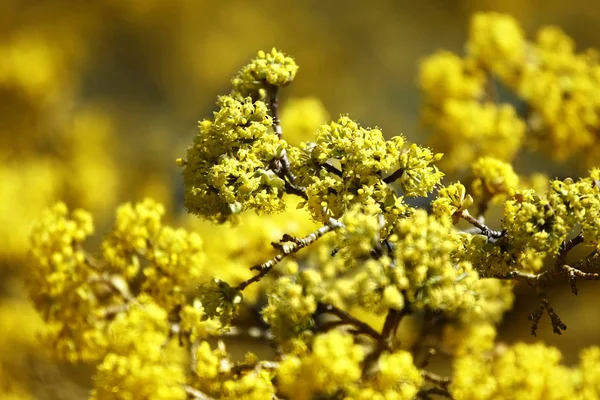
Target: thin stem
{"points": [[481, 226], [392, 320], [196, 394], [273, 93], [394, 176], [330, 168], [347, 319], [441, 381], [290, 246]]}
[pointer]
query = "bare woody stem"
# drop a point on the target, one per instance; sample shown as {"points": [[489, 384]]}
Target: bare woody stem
{"points": [[394, 176], [290, 245], [480, 225], [347, 319], [196, 394], [539, 281], [273, 93], [281, 165]]}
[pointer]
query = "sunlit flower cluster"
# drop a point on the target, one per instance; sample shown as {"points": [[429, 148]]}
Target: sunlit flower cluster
{"points": [[559, 86]]}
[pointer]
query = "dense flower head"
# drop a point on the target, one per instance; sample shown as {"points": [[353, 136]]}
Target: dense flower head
{"points": [[228, 168], [268, 68], [290, 309], [543, 223], [497, 41], [61, 283], [493, 180], [346, 165], [333, 364], [559, 88], [468, 129], [522, 371], [301, 117], [214, 374], [138, 365], [396, 377], [451, 201], [79, 295], [172, 258], [425, 253], [219, 299], [423, 270], [445, 75]]}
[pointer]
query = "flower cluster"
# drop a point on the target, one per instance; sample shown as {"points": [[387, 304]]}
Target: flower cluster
{"points": [[267, 69], [558, 85], [493, 180], [79, 295], [228, 168], [525, 371], [347, 164], [137, 363]]}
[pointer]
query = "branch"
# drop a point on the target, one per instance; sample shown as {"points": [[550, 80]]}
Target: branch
{"points": [[574, 273], [441, 381], [557, 325], [491, 234], [273, 93], [295, 189], [330, 168], [290, 245], [347, 319], [196, 394], [426, 394], [394, 176], [539, 280], [392, 320]]}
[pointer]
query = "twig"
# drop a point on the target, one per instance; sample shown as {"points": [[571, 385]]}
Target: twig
{"points": [[426, 394], [481, 226], [291, 246], [281, 165], [574, 273], [392, 320], [330, 168], [557, 325], [295, 189], [441, 381], [394, 176], [273, 93], [347, 319], [196, 394]]}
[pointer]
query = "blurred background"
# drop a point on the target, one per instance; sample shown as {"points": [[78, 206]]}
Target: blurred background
{"points": [[98, 98]]}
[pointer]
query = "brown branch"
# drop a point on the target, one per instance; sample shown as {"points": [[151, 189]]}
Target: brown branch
{"points": [[390, 326], [539, 281], [574, 273], [440, 381], [346, 319], [426, 394], [481, 226], [196, 394], [394, 176], [557, 325], [291, 245], [295, 189], [330, 168], [273, 93]]}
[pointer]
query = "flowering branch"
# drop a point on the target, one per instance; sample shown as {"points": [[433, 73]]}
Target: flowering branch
{"points": [[289, 245], [346, 319], [539, 281]]}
